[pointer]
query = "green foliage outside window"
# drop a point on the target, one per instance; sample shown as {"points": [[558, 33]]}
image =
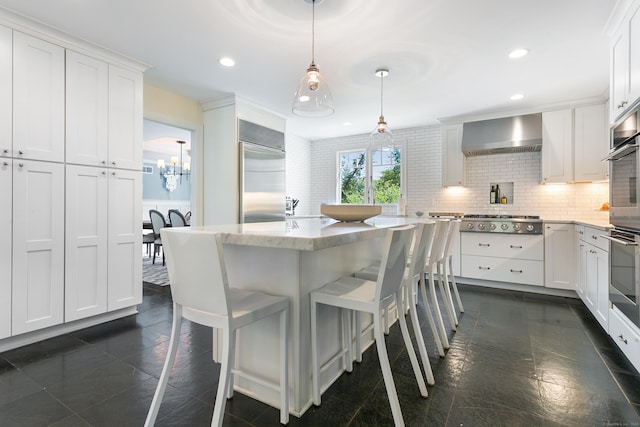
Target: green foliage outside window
{"points": [[386, 183]]}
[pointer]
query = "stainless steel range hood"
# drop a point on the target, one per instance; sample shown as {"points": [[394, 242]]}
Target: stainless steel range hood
{"points": [[507, 135]]}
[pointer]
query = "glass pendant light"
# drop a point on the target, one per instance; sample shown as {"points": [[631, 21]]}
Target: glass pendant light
{"points": [[381, 138], [313, 97]]}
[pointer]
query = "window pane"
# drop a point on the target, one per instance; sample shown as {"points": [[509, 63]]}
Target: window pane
{"points": [[386, 177], [352, 177]]}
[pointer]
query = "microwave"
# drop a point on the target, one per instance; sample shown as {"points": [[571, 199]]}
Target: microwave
{"points": [[624, 166]]}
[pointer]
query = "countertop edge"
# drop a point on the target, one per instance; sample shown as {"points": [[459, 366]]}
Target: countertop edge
{"points": [[590, 223]]}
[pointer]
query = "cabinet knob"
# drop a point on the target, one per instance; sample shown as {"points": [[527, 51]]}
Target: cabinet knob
{"points": [[104, 162], [5, 164], [20, 152], [21, 165], [113, 174], [113, 163], [104, 173], [622, 338], [5, 151]]}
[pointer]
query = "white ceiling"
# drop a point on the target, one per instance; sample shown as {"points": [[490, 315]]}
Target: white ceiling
{"points": [[446, 57]]}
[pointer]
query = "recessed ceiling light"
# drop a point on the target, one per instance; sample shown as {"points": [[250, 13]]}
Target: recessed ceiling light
{"points": [[227, 62], [518, 53], [517, 96]]}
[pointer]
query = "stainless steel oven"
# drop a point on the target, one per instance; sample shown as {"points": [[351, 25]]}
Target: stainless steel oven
{"points": [[624, 209], [624, 272]]}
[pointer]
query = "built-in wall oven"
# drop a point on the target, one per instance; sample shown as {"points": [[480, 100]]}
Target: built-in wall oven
{"points": [[624, 272], [624, 209], [624, 215]]}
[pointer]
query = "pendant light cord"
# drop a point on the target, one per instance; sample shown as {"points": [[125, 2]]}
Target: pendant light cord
{"points": [[313, 31], [381, 93]]}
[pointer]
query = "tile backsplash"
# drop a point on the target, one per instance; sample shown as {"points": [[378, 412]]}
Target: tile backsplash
{"points": [[424, 191]]}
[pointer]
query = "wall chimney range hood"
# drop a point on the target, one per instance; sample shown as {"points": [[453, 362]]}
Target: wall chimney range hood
{"points": [[517, 134]]}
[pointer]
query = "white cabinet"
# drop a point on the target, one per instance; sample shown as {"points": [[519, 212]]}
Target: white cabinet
{"points": [[38, 99], [515, 258], [38, 245], [104, 236], [559, 255], [5, 247], [557, 141], [594, 274], [591, 143], [452, 157], [6, 89], [86, 242], [125, 118], [581, 262], [625, 64], [626, 335], [104, 114], [86, 110], [125, 239]]}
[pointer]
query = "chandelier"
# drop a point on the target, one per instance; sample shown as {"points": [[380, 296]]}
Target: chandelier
{"points": [[172, 174]]}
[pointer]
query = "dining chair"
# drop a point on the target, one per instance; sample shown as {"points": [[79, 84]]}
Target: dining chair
{"points": [[157, 223], [202, 294], [187, 217], [423, 237], [353, 294], [176, 219], [147, 240]]}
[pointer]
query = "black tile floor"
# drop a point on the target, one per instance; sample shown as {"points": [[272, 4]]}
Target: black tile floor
{"points": [[516, 360]]}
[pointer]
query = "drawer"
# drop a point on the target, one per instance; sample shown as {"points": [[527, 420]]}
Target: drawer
{"points": [[592, 236], [522, 271], [523, 246], [626, 336]]}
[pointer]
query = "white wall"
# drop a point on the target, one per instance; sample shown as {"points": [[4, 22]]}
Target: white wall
{"points": [[422, 158], [298, 181]]}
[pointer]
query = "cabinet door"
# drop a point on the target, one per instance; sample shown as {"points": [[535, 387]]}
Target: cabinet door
{"points": [[125, 118], [581, 262], [125, 239], [558, 256], [87, 101], [5, 247], [38, 99], [6, 89], [38, 245], [452, 157], [591, 143], [619, 73], [86, 242], [591, 279], [557, 141], [602, 288], [634, 56]]}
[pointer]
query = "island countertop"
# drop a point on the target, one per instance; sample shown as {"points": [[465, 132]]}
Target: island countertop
{"points": [[305, 234]]}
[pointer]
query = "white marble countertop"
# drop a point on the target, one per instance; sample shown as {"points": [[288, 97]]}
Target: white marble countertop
{"points": [[603, 224], [305, 234]]}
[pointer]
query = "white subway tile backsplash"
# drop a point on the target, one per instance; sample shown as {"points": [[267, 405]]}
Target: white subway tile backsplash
{"points": [[311, 172]]}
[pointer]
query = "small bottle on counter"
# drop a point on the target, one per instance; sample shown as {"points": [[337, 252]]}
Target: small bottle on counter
{"points": [[497, 198], [503, 200], [492, 194]]}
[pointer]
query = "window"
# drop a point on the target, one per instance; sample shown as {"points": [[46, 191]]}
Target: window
{"points": [[380, 178]]}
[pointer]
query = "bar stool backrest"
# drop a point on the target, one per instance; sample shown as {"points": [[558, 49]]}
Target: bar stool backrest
{"points": [[394, 261]]}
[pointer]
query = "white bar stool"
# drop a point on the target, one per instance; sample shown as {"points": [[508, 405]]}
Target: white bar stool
{"points": [[371, 297], [423, 238], [201, 294], [448, 281], [435, 255]]}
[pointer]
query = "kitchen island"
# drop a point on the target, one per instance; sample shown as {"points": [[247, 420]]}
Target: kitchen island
{"points": [[292, 258]]}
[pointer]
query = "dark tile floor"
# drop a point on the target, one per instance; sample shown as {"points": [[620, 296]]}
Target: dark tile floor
{"points": [[517, 360]]}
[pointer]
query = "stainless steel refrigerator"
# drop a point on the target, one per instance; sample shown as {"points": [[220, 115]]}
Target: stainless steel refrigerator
{"points": [[262, 173]]}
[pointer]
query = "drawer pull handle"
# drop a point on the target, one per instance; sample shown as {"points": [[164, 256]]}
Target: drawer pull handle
{"points": [[484, 268], [515, 271], [515, 247], [484, 244], [622, 338]]}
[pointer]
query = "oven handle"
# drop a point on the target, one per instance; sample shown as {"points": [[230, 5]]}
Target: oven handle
{"points": [[622, 242], [612, 156]]}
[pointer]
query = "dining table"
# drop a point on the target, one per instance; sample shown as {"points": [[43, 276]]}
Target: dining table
{"points": [[293, 258]]}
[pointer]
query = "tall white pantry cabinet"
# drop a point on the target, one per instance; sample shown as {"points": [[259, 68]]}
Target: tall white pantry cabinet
{"points": [[70, 168]]}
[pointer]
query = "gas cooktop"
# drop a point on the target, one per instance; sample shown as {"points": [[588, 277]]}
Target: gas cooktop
{"points": [[483, 216]]}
